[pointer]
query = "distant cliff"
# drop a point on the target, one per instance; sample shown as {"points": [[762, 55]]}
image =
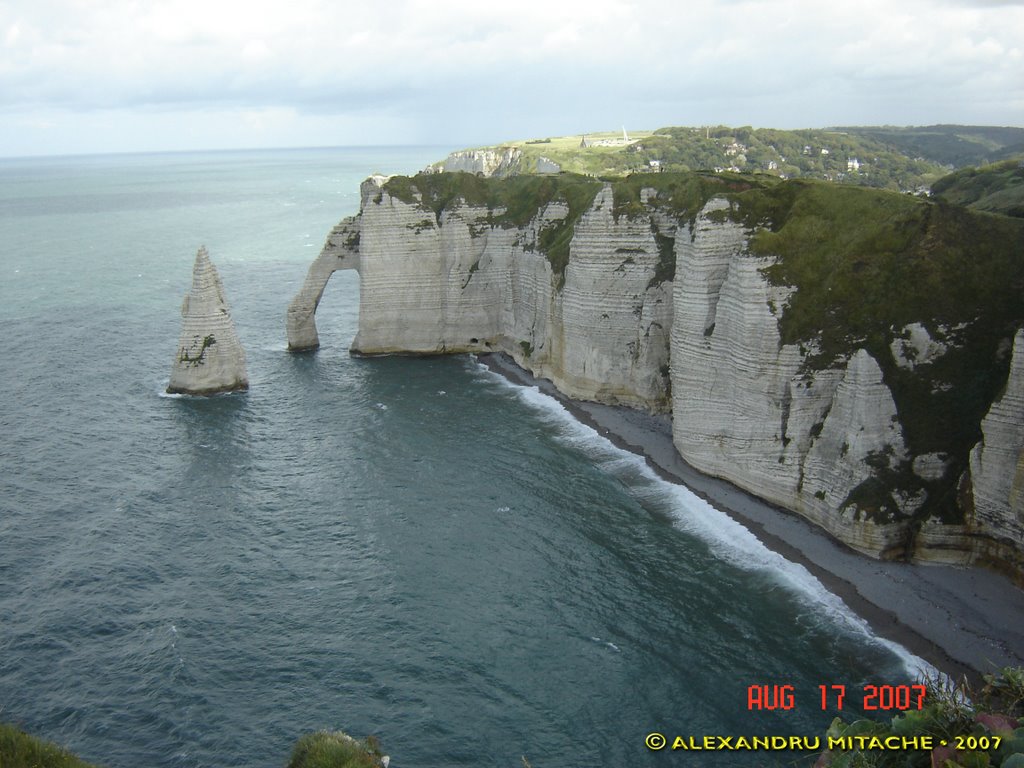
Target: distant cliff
{"points": [[490, 161], [845, 353]]}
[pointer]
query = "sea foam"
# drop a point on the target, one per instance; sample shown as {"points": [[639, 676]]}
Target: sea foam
{"points": [[730, 540]]}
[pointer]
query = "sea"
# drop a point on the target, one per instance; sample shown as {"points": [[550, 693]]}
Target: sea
{"points": [[409, 548]]}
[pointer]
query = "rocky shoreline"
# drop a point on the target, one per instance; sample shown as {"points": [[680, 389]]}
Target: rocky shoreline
{"points": [[964, 621]]}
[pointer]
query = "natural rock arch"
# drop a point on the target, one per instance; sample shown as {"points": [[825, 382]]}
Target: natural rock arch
{"points": [[341, 251], [301, 318]]}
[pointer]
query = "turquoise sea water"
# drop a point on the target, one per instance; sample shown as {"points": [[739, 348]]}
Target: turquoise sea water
{"points": [[411, 548]]}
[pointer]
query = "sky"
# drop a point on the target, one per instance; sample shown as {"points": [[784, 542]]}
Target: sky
{"points": [[84, 76]]}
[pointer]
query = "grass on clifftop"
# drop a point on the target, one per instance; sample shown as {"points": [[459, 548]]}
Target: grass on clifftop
{"points": [[515, 201], [327, 749], [324, 749], [681, 194], [19, 750], [511, 202]]}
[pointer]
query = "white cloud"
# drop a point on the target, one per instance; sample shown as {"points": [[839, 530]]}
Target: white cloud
{"points": [[465, 70]]}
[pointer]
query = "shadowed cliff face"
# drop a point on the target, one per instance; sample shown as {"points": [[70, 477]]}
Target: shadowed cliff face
{"points": [[837, 353]]}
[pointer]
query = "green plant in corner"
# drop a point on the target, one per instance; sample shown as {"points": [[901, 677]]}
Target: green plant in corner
{"points": [[19, 750], [986, 734]]}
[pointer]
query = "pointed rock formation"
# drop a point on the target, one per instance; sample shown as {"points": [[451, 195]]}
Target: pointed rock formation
{"points": [[210, 358]]}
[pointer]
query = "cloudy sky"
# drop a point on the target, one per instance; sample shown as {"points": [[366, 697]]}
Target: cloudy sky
{"points": [[136, 75]]}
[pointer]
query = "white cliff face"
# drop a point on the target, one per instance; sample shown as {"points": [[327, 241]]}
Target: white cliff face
{"points": [[498, 161], [997, 462], [824, 443], [420, 287], [860, 438], [739, 410], [210, 359], [464, 284], [744, 409], [613, 345], [547, 165]]}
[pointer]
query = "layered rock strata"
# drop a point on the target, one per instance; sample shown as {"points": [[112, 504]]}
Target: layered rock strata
{"points": [[997, 462], [456, 283], [210, 359], [744, 410], [669, 308]]}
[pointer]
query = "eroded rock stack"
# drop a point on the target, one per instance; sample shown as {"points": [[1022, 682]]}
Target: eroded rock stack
{"points": [[210, 359]]}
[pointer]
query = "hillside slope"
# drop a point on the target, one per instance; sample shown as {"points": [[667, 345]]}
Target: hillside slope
{"points": [[899, 159], [997, 188]]}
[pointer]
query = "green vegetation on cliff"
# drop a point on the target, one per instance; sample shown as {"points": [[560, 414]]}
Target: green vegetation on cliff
{"points": [[900, 159], [952, 145], [517, 200], [335, 749], [511, 202], [680, 194], [866, 264], [997, 188], [19, 750], [816, 154], [323, 749]]}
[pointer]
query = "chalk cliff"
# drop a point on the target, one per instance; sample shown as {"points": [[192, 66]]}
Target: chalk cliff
{"points": [[997, 462], [744, 410], [490, 161], [210, 358], [457, 282], [761, 315]]}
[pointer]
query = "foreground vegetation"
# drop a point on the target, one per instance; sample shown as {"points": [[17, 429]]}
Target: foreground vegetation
{"points": [[324, 749], [335, 749], [970, 729], [19, 750]]}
